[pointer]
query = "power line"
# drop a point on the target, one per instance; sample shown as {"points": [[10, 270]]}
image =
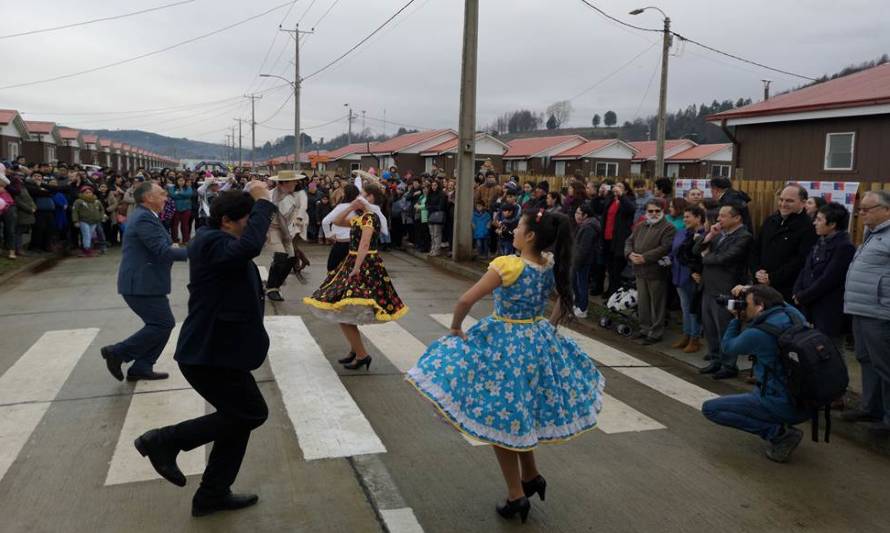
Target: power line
{"points": [[338, 59], [742, 59], [148, 54], [275, 114], [271, 45], [648, 86], [613, 73], [328, 123], [321, 18], [312, 3], [103, 19], [687, 39], [394, 123]]}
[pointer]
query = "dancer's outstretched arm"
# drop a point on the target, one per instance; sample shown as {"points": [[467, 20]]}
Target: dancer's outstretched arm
{"points": [[486, 284]]}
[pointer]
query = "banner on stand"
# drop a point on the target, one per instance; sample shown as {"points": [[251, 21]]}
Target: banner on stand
{"points": [[683, 185]]}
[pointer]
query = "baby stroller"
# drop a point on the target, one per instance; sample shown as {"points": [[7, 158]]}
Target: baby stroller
{"points": [[621, 308]]}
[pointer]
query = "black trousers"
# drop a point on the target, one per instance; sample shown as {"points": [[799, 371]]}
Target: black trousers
{"points": [[279, 270], [240, 408], [338, 253]]}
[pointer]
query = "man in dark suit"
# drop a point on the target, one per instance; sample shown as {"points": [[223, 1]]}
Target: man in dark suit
{"points": [[143, 279], [725, 251], [222, 340]]}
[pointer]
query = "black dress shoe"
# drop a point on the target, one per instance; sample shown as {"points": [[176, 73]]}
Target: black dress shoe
{"points": [[203, 505], [348, 359], [726, 373], [274, 295], [712, 368], [509, 509], [150, 375], [534, 486], [113, 363], [162, 456]]}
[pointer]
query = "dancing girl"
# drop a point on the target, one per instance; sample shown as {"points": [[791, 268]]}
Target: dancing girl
{"points": [[512, 380], [359, 291]]}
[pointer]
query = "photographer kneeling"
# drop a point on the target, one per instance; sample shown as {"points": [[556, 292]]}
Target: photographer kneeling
{"points": [[768, 410]]}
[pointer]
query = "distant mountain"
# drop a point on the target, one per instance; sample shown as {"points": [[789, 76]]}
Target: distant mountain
{"points": [[177, 148]]}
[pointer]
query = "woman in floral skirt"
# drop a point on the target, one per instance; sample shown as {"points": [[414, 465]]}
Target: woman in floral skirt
{"points": [[360, 290], [511, 380]]}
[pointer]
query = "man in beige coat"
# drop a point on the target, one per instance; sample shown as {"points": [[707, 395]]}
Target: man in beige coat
{"points": [[647, 250], [290, 221]]}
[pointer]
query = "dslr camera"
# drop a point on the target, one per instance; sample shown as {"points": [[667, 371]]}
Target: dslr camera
{"points": [[733, 305]]}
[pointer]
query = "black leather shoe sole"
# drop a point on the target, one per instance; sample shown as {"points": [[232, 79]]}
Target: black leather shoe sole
{"points": [[170, 472], [275, 296], [149, 377], [229, 503], [112, 362]]}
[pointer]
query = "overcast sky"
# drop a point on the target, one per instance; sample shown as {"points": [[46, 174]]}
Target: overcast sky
{"points": [[531, 53]]}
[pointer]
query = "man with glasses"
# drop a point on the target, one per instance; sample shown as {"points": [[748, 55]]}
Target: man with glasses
{"points": [[867, 299], [647, 249]]}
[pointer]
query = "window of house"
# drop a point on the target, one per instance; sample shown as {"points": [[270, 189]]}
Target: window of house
{"points": [[560, 168], [521, 166], [13, 150], [720, 171], [606, 169], [50, 153], [508, 166], [428, 165], [76, 156], [839, 151], [355, 166], [636, 169]]}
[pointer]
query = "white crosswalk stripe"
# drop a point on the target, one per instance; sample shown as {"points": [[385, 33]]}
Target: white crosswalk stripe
{"points": [[156, 404], [29, 386], [327, 421], [264, 273], [396, 343], [616, 416]]}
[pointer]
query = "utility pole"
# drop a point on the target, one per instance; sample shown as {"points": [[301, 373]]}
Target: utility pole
{"points": [[240, 161], [363, 121], [253, 98], [662, 100], [298, 141], [349, 120], [462, 240], [228, 151], [766, 89]]}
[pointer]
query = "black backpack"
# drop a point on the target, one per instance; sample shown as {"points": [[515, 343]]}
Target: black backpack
{"points": [[815, 370]]}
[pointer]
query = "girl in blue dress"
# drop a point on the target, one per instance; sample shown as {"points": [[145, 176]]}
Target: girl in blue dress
{"points": [[511, 380]]}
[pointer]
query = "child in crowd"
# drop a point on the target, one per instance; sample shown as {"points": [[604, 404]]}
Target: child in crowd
{"points": [[86, 214], [505, 224], [481, 226]]}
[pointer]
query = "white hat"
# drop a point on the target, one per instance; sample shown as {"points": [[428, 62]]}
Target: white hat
{"points": [[288, 175]]}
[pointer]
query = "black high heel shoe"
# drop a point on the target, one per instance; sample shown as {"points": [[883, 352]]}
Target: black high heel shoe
{"points": [[348, 359], [534, 486], [509, 509], [358, 363]]}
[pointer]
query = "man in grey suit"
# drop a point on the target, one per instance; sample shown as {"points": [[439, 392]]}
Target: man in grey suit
{"points": [[143, 279]]}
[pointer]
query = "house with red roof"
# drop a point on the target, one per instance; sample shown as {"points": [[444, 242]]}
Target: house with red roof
{"points": [[13, 132], [643, 164], [88, 149], [345, 159], [69, 151], [838, 130], [702, 161], [42, 142], [404, 151], [599, 157], [534, 155], [103, 153], [443, 157]]}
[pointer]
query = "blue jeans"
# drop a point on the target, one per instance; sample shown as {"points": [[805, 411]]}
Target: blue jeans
{"points": [[481, 246], [505, 248], [86, 234], [691, 317], [145, 346], [580, 279], [747, 412]]}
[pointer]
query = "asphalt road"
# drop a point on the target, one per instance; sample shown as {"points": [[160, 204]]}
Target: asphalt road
{"points": [[360, 451]]}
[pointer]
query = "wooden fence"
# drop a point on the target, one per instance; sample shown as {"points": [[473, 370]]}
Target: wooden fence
{"points": [[763, 195]]}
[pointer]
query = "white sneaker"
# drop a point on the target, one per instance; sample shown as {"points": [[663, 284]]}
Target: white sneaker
{"points": [[579, 313]]}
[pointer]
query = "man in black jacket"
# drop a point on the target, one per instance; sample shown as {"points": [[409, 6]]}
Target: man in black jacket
{"points": [[724, 250], [723, 193], [222, 340], [783, 242]]}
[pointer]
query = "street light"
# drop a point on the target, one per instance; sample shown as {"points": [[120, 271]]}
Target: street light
{"points": [[349, 121], [297, 139], [662, 97]]}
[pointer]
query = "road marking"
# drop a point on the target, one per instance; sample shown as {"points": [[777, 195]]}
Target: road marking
{"points": [[400, 520], [264, 273], [398, 345], [36, 377], [616, 416], [156, 404], [326, 419], [605, 354]]}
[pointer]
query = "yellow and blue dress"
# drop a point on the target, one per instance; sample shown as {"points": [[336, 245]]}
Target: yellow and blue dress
{"points": [[515, 381]]}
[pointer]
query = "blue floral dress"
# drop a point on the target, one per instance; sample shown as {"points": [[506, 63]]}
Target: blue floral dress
{"points": [[515, 382]]}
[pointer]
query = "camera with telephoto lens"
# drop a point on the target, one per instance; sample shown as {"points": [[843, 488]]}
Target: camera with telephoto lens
{"points": [[733, 305]]}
